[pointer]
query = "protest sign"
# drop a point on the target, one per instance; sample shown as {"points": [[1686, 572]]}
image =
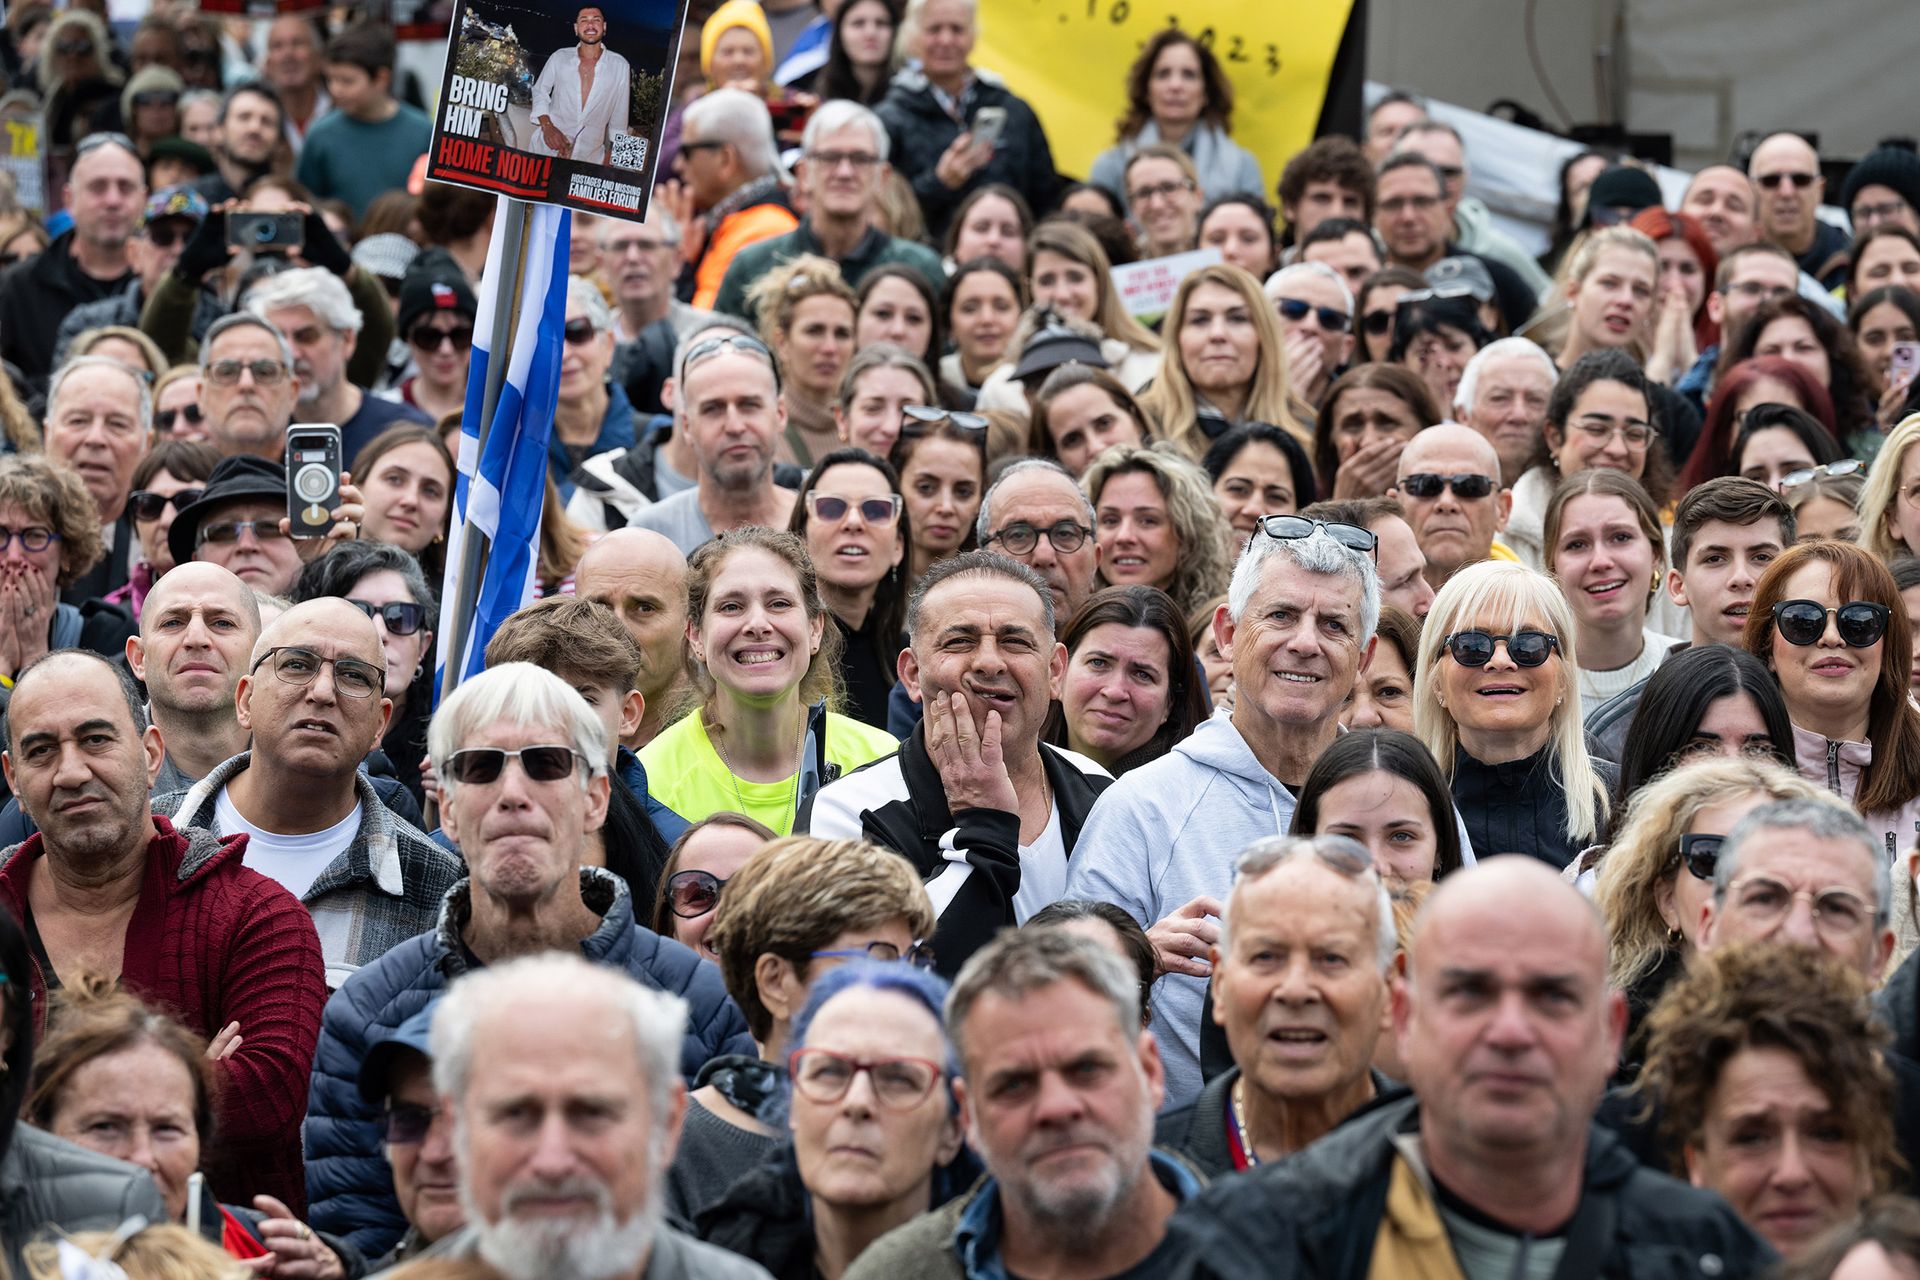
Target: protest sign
{"points": [[558, 102], [1146, 289]]}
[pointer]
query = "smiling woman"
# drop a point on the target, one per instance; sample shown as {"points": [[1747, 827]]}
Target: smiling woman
{"points": [[1157, 523]]}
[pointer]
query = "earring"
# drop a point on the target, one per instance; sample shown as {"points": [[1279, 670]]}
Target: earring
{"points": [[1673, 935]]}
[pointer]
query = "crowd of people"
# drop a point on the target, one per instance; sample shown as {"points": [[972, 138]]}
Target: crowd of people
{"points": [[1401, 768]]}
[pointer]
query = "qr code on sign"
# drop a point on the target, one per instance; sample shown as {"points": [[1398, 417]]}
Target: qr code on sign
{"points": [[629, 152]]}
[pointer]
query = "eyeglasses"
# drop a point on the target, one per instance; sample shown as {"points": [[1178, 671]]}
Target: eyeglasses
{"points": [[1830, 470], [694, 148], [1066, 537], [1400, 204], [297, 666], [481, 765], [832, 510], [831, 160], [691, 894], [401, 618], [577, 332], [1293, 528], [164, 235], [1800, 180], [156, 98], [708, 348], [1839, 914], [1866, 216], [1598, 431], [1474, 648], [823, 1076], [407, 1123], [919, 955], [923, 416], [1860, 623], [1468, 487], [1758, 290], [1379, 321], [222, 532], [637, 244], [1700, 853], [147, 505], [226, 373], [1332, 319], [1159, 190], [35, 537], [427, 338]]}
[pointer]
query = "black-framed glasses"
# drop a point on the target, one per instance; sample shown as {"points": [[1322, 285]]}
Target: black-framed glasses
{"points": [[1474, 648], [1801, 180], [223, 532], [692, 894], [226, 373], [1378, 321], [402, 618], [1294, 528], [1159, 190], [297, 666], [425, 337], [35, 537], [147, 505], [191, 413], [899, 1084], [1332, 319], [1829, 471], [832, 510], [1861, 623], [1065, 536], [694, 148], [1466, 486], [481, 765], [1700, 853], [924, 416], [407, 1123], [919, 955], [578, 332], [707, 348]]}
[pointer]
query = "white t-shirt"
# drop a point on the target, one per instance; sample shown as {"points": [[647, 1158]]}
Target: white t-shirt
{"points": [[295, 861], [1043, 871]]}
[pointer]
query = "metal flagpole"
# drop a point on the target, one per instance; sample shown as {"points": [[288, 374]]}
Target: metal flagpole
{"points": [[474, 547]]}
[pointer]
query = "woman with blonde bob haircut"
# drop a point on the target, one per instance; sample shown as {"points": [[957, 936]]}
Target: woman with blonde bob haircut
{"points": [[1890, 507], [1221, 320], [1497, 701], [1157, 523]]}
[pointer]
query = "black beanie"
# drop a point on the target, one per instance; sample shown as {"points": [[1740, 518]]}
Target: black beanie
{"points": [[1894, 167]]}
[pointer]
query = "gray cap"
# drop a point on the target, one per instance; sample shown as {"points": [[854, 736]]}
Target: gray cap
{"points": [[1467, 273]]}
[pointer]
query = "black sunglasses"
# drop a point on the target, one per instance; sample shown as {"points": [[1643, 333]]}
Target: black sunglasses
{"points": [[1332, 319], [1378, 322], [165, 418], [691, 894], [1526, 648], [407, 1123], [579, 332], [481, 765], [427, 338], [1699, 852], [147, 505], [402, 619], [164, 235], [1423, 484], [1861, 623], [1292, 528]]}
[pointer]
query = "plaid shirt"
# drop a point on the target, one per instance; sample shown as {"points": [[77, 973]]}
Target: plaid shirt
{"points": [[383, 888]]}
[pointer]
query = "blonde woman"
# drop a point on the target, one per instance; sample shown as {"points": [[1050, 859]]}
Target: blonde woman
{"points": [[1157, 523], [1497, 700], [1225, 364], [806, 316], [1890, 506], [1606, 299]]}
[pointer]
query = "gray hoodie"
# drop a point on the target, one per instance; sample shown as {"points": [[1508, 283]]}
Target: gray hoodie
{"points": [[1165, 834]]}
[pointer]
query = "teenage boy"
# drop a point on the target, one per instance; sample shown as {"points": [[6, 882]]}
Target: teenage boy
{"points": [[368, 143]]}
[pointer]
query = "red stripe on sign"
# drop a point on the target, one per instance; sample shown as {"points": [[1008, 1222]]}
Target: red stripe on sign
{"points": [[511, 188]]}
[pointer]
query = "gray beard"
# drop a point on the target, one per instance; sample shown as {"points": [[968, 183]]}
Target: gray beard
{"points": [[601, 1250]]}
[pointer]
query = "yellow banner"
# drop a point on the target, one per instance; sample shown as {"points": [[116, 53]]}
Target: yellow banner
{"points": [[1069, 60]]}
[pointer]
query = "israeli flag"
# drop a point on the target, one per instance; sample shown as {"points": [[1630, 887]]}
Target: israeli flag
{"points": [[502, 485]]}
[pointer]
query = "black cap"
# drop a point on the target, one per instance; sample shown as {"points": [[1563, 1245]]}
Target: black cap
{"points": [[1050, 348], [434, 284], [233, 480], [1621, 187]]}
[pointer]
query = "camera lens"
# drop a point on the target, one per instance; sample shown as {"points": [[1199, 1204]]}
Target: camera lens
{"points": [[313, 483], [263, 232]]}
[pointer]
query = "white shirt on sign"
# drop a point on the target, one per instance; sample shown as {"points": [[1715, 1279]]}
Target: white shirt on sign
{"points": [[588, 125]]}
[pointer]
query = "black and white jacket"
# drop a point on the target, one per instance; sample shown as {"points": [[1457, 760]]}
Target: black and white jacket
{"points": [[971, 859]]}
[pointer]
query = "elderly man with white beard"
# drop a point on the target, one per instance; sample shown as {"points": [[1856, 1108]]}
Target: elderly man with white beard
{"points": [[564, 1085]]}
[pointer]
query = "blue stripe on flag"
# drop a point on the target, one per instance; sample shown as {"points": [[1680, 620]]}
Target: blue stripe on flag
{"points": [[503, 487]]}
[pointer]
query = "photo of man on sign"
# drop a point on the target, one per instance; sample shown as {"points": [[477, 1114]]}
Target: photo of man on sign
{"points": [[583, 95]]}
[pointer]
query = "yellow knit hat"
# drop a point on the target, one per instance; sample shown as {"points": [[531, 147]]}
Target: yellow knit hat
{"points": [[735, 13]]}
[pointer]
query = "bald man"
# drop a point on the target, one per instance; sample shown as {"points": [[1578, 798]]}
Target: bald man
{"points": [[312, 699], [1509, 1033], [642, 576], [197, 631], [1449, 483], [1787, 172], [1727, 204]]}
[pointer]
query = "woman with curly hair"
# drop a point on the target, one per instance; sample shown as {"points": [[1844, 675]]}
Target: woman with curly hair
{"points": [[52, 538], [1766, 1066], [806, 315], [1805, 333], [1157, 523], [1178, 95]]}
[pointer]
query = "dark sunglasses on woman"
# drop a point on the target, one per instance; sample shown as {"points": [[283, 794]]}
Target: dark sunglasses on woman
{"points": [[165, 418], [1861, 623], [401, 617], [579, 332], [147, 505], [691, 894], [427, 338], [1475, 648], [831, 510], [1700, 853]]}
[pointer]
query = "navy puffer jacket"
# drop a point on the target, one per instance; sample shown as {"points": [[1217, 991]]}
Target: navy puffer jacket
{"points": [[349, 1186]]}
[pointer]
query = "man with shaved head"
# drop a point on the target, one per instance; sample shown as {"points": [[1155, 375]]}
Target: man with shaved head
{"points": [[312, 698], [1494, 1166], [642, 576], [1727, 204], [1450, 485], [1787, 172], [197, 631]]}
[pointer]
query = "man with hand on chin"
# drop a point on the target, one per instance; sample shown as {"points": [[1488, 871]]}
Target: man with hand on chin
{"points": [[973, 798]]}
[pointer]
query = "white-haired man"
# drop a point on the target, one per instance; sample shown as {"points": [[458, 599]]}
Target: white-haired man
{"points": [[1503, 395], [844, 170], [567, 1103], [734, 193], [1316, 315], [522, 763], [316, 313], [1298, 626], [637, 263], [99, 414]]}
